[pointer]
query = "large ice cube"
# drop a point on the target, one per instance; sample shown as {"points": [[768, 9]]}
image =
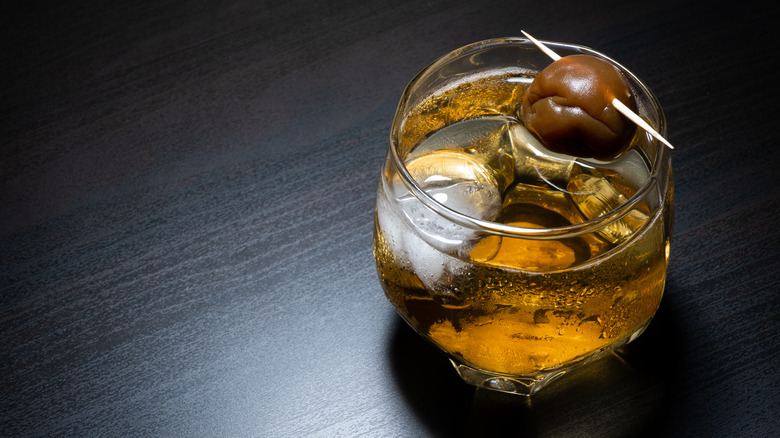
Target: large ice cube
{"points": [[424, 242], [484, 143], [454, 180], [466, 167], [410, 249]]}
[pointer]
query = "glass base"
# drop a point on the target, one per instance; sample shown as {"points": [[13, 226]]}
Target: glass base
{"points": [[521, 385], [530, 384]]}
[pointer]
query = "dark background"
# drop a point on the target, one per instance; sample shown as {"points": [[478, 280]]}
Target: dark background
{"points": [[186, 201]]}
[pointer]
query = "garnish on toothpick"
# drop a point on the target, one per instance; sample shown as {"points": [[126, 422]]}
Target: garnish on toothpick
{"points": [[615, 102]]}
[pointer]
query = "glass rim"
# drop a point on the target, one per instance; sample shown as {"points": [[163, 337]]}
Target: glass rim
{"points": [[661, 156]]}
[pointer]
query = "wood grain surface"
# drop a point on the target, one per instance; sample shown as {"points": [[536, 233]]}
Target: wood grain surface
{"points": [[186, 204]]}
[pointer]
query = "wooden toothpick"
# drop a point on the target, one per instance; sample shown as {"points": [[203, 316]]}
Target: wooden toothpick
{"points": [[542, 47], [626, 111]]}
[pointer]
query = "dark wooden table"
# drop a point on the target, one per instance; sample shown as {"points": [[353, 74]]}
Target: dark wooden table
{"points": [[186, 201]]}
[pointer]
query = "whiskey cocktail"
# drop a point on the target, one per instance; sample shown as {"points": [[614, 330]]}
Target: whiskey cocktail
{"points": [[517, 258]]}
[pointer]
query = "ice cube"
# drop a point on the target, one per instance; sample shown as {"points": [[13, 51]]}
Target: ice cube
{"points": [[424, 242], [595, 196], [466, 167], [484, 143], [454, 180], [609, 184], [585, 181], [633, 169], [412, 251], [535, 164]]}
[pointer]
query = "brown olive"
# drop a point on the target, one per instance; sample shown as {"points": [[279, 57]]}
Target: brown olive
{"points": [[568, 106]]}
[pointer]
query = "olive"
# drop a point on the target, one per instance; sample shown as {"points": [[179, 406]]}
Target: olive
{"points": [[569, 107]]}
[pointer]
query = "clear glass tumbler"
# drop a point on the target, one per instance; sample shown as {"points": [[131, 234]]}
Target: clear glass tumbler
{"points": [[518, 263]]}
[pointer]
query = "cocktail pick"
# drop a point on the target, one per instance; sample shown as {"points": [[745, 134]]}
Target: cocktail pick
{"points": [[626, 111]]}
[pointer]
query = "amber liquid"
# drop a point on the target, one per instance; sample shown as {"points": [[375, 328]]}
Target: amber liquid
{"points": [[520, 308], [523, 305]]}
